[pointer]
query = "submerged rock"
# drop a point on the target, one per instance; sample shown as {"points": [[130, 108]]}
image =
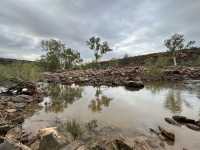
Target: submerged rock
{"points": [[193, 127], [183, 119], [168, 135], [171, 121]]}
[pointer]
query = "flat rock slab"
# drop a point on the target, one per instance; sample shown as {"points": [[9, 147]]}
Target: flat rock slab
{"points": [[11, 110]]}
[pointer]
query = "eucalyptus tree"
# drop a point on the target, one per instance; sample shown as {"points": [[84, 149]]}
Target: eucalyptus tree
{"points": [[70, 58], [99, 48], [58, 56], [177, 42]]}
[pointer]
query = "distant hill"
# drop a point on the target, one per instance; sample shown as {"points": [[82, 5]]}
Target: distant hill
{"points": [[10, 61], [187, 57]]}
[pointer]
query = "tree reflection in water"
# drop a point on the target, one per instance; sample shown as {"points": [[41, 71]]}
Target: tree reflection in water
{"points": [[174, 101], [62, 95], [99, 101]]}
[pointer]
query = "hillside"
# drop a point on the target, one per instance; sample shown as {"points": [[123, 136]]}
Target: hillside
{"points": [[10, 61], [189, 57]]}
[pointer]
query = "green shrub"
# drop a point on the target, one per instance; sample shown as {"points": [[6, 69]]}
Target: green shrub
{"points": [[20, 71], [153, 72], [158, 62]]}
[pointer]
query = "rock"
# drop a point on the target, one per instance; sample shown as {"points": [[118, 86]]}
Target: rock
{"points": [[11, 110], [11, 104], [5, 128], [14, 133], [171, 121], [168, 135], [97, 147], [22, 99], [35, 145], [193, 127], [20, 105], [18, 120], [198, 123], [17, 134], [141, 143], [74, 145], [134, 84], [11, 145], [183, 119], [119, 145], [50, 139]]}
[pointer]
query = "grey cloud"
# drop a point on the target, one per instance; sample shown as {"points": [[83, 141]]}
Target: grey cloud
{"points": [[130, 26]]}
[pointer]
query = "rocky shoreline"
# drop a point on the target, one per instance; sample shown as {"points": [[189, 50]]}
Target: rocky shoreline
{"points": [[16, 104], [137, 75]]}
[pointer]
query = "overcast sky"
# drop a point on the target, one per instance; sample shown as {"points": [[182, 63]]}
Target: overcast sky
{"points": [[130, 26]]}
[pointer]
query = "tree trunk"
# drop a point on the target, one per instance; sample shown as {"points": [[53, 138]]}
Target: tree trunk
{"points": [[174, 59]]}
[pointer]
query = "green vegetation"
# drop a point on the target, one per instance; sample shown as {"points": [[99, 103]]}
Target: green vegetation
{"points": [[20, 71], [159, 62], [58, 56], [74, 128], [154, 72], [99, 48], [91, 125], [175, 43]]}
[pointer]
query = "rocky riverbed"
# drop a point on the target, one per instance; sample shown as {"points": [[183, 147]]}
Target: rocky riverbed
{"points": [[135, 75]]}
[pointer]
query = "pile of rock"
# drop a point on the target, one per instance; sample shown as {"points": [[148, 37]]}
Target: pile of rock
{"points": [[121, 76], [109, 77]]}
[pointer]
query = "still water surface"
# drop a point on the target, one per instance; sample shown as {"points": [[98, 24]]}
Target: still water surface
{"points": [[130, 111]]}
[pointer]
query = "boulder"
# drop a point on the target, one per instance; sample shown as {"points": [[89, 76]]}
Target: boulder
{"points": [[12, 145], [51, 140], [183, 119], [134, 84]]}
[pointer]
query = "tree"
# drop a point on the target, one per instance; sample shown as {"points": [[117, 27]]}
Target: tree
{"points": [[58, 56], [99, 48], [175, 43], [70, 58], [52, 57]]}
